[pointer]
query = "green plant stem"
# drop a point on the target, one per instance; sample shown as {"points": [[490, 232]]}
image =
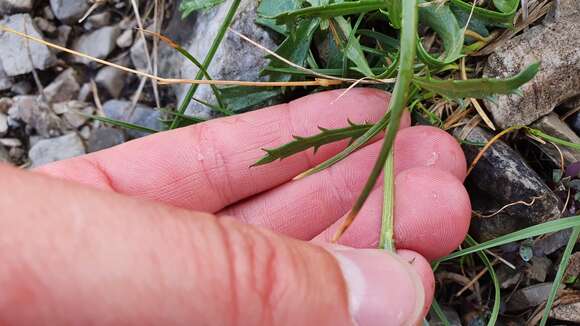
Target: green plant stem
{"points": [[388, 221], [208, 59], [397, 107]]}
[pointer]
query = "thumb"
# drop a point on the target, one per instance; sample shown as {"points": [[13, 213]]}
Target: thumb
{"points": [[74, 255]]}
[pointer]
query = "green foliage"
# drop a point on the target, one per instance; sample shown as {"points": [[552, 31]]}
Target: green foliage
{"points": [[187, 7]]}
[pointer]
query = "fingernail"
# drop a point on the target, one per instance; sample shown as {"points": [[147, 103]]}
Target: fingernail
{"points": [[382, 288]]}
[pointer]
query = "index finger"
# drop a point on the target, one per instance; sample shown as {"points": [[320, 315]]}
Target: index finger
{"points": [[206, 167]]}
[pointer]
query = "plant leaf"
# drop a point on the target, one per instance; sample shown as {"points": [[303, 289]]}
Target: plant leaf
{"points": [[187, 7], [300, 144], [477, 88]]}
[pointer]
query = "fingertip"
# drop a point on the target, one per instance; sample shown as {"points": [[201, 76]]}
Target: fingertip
{"points": [[426, 146], [422, 267], [432, 211]]}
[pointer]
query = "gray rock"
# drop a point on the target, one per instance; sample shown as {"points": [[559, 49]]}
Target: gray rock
{"points": [[55, 149], [99, 43], [553, 126], [5, 81], [235, 59], [125, 39], [98, 20], [4, 156], [36, 114], [111, 79], [567, 312], [551, 243], [539, 268], [22, 87], [452, 317], [64, 88], [44, 25], [556, 46], [69, 11], [12, 6], [103, 138], [138, 55], [143, 116], [529, 297], [3, 124], [16, 51], [76, 113], [501, 178], [5, 104]]}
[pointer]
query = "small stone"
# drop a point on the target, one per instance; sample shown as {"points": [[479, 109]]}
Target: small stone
{"points": [[552, 243], [16, 154], [47, 13], [3, 124], [98, 20], [553, 126], [559, 76], [4, 155], [143, 116], [85, 93], [103, 138], [14, 6], [69, 11], [125, 40], [567, 312], [55, 149], [62, 35], [35, 114], [539, 268], [64, 88], [508, 277], [16, 51], [10, 142], [77, 113], [23, 87], [529, 297], [99, 43], [503, 168], [85, 133], [5, 104], [111, 79], [44, 25], [138, 55], [451, 315]]}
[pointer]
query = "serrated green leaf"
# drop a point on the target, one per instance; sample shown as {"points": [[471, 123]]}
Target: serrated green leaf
{"points": [[300, 144]]}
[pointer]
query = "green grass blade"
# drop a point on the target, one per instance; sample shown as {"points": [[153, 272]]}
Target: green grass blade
{"points": [[532, 231], [497, 290], [560, 274], [436, 309], [208, 59], [556, 140], [123, 124]]}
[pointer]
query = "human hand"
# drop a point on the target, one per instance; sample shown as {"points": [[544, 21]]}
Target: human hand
{"points": [[74, 255]]}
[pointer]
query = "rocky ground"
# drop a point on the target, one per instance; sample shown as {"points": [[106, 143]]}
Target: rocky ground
{"points": [[46, 97]]}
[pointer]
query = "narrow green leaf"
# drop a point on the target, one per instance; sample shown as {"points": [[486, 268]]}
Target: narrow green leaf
{"points": [[477, 88], [497, 290], [187, 7], [353, 49], [123, 124], [556, 140]]}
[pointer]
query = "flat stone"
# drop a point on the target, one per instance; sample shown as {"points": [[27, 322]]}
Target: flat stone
{"points": [[539, 268], [69, 11], [103, 138], [16, 51], [13, 6], [500, 178], [99, 43], [98, 20], [76, 113], [529, 297], [556, 46], [5, 81], [552, 242], [55, 149], [143, 116], [36, 114], [111, 79], [235, 59], [567, 312], [64, 88], [138, 55], [553, 126], [125, 40]]}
